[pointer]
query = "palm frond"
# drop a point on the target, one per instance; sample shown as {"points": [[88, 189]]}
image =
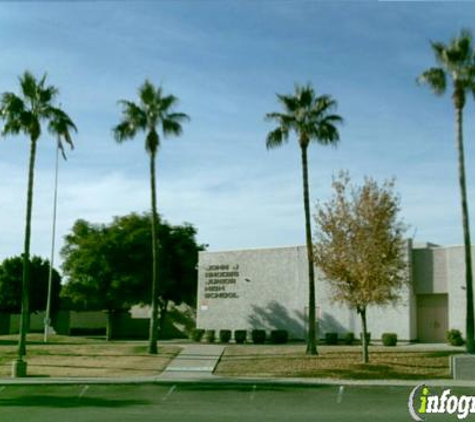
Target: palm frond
{"points": [[167, 103], [439, 49], [147, 94], [460, 50], [274, 117], [11, 105], [47, 95], [276, 138], [12, 127], [179, 117], [28, 85], [134, 119], [323, 105], [289, 102], [61, 126], [305, 95], [124, 131], [171, 127], [435, 77], [334, 119], [326, 134], [12, 110]]}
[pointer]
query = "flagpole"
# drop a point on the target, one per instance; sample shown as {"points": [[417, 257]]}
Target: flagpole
{"points": [[50, 275]]}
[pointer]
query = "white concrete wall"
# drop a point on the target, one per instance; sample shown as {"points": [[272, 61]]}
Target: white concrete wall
{"points": [[268, 291], [456, 282], [272, 292]]}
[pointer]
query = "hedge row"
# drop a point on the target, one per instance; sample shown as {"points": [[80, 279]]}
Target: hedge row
{"points": [[454, 337], [240, 336], [388, 339]]}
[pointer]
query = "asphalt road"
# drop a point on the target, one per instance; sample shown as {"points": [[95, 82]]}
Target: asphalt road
{"points": [[198, 402]]}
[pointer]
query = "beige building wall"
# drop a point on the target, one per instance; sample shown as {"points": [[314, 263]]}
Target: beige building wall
{"points": [[268, 289]]}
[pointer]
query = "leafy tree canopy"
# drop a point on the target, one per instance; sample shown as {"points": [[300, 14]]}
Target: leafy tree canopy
{"points": [[359, 243], [107, 266], [359, 246], [11, 272]]}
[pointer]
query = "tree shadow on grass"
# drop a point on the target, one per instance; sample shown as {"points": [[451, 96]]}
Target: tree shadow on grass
{"points": [[68, 402]]}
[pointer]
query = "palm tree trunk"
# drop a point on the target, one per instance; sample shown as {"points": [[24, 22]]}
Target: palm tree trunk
{"points": [[25, 296], [311, 336], [152, 348], [466, 234]]}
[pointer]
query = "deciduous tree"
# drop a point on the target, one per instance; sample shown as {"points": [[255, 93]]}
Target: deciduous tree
{"points": [[11, 271], [104, 264], [359, 246]]}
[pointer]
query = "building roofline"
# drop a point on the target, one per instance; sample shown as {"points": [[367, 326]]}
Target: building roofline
{"points": [[257, 248]]}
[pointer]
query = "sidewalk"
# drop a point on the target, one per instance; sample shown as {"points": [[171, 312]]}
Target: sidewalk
{"points": [[195, 361]]}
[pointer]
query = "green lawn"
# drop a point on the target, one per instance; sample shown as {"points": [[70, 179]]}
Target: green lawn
{"points": [[342, 362], [79, 357]]}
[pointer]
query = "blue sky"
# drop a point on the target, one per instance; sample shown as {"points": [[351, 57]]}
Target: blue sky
{"points": [[226, 61]]}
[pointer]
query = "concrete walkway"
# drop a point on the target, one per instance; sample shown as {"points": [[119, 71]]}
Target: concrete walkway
{"points": [[195, 362]]}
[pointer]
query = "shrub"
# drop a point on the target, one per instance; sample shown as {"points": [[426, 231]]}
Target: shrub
{"points": [[224, 336], [389, 339], [368, 338], [210, 336], [197, 334], [279, 336], [240, 336], [455, 337], [258, 336], [349, 338], [331, 338]]}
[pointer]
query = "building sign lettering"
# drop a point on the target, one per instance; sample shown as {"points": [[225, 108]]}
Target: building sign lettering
{"points": [[218, 279]]}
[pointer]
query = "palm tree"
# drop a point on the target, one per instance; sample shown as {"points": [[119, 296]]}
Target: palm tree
{"points": [[311, 118], [153, 112], [25, 113], [456, 61]]}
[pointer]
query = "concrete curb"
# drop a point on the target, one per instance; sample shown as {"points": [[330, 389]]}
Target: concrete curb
{"points": [[216, 380]]}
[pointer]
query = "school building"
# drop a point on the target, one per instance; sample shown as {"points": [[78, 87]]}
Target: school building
{"points": [[268, 289]]}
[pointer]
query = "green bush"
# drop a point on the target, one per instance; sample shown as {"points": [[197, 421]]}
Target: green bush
{"points": [[210, 336], [258, 336], [349, 338], [240, 336], [224, 336], [197, 334], [331, 338], [389, 339], [455, 337], [279, 336]]}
